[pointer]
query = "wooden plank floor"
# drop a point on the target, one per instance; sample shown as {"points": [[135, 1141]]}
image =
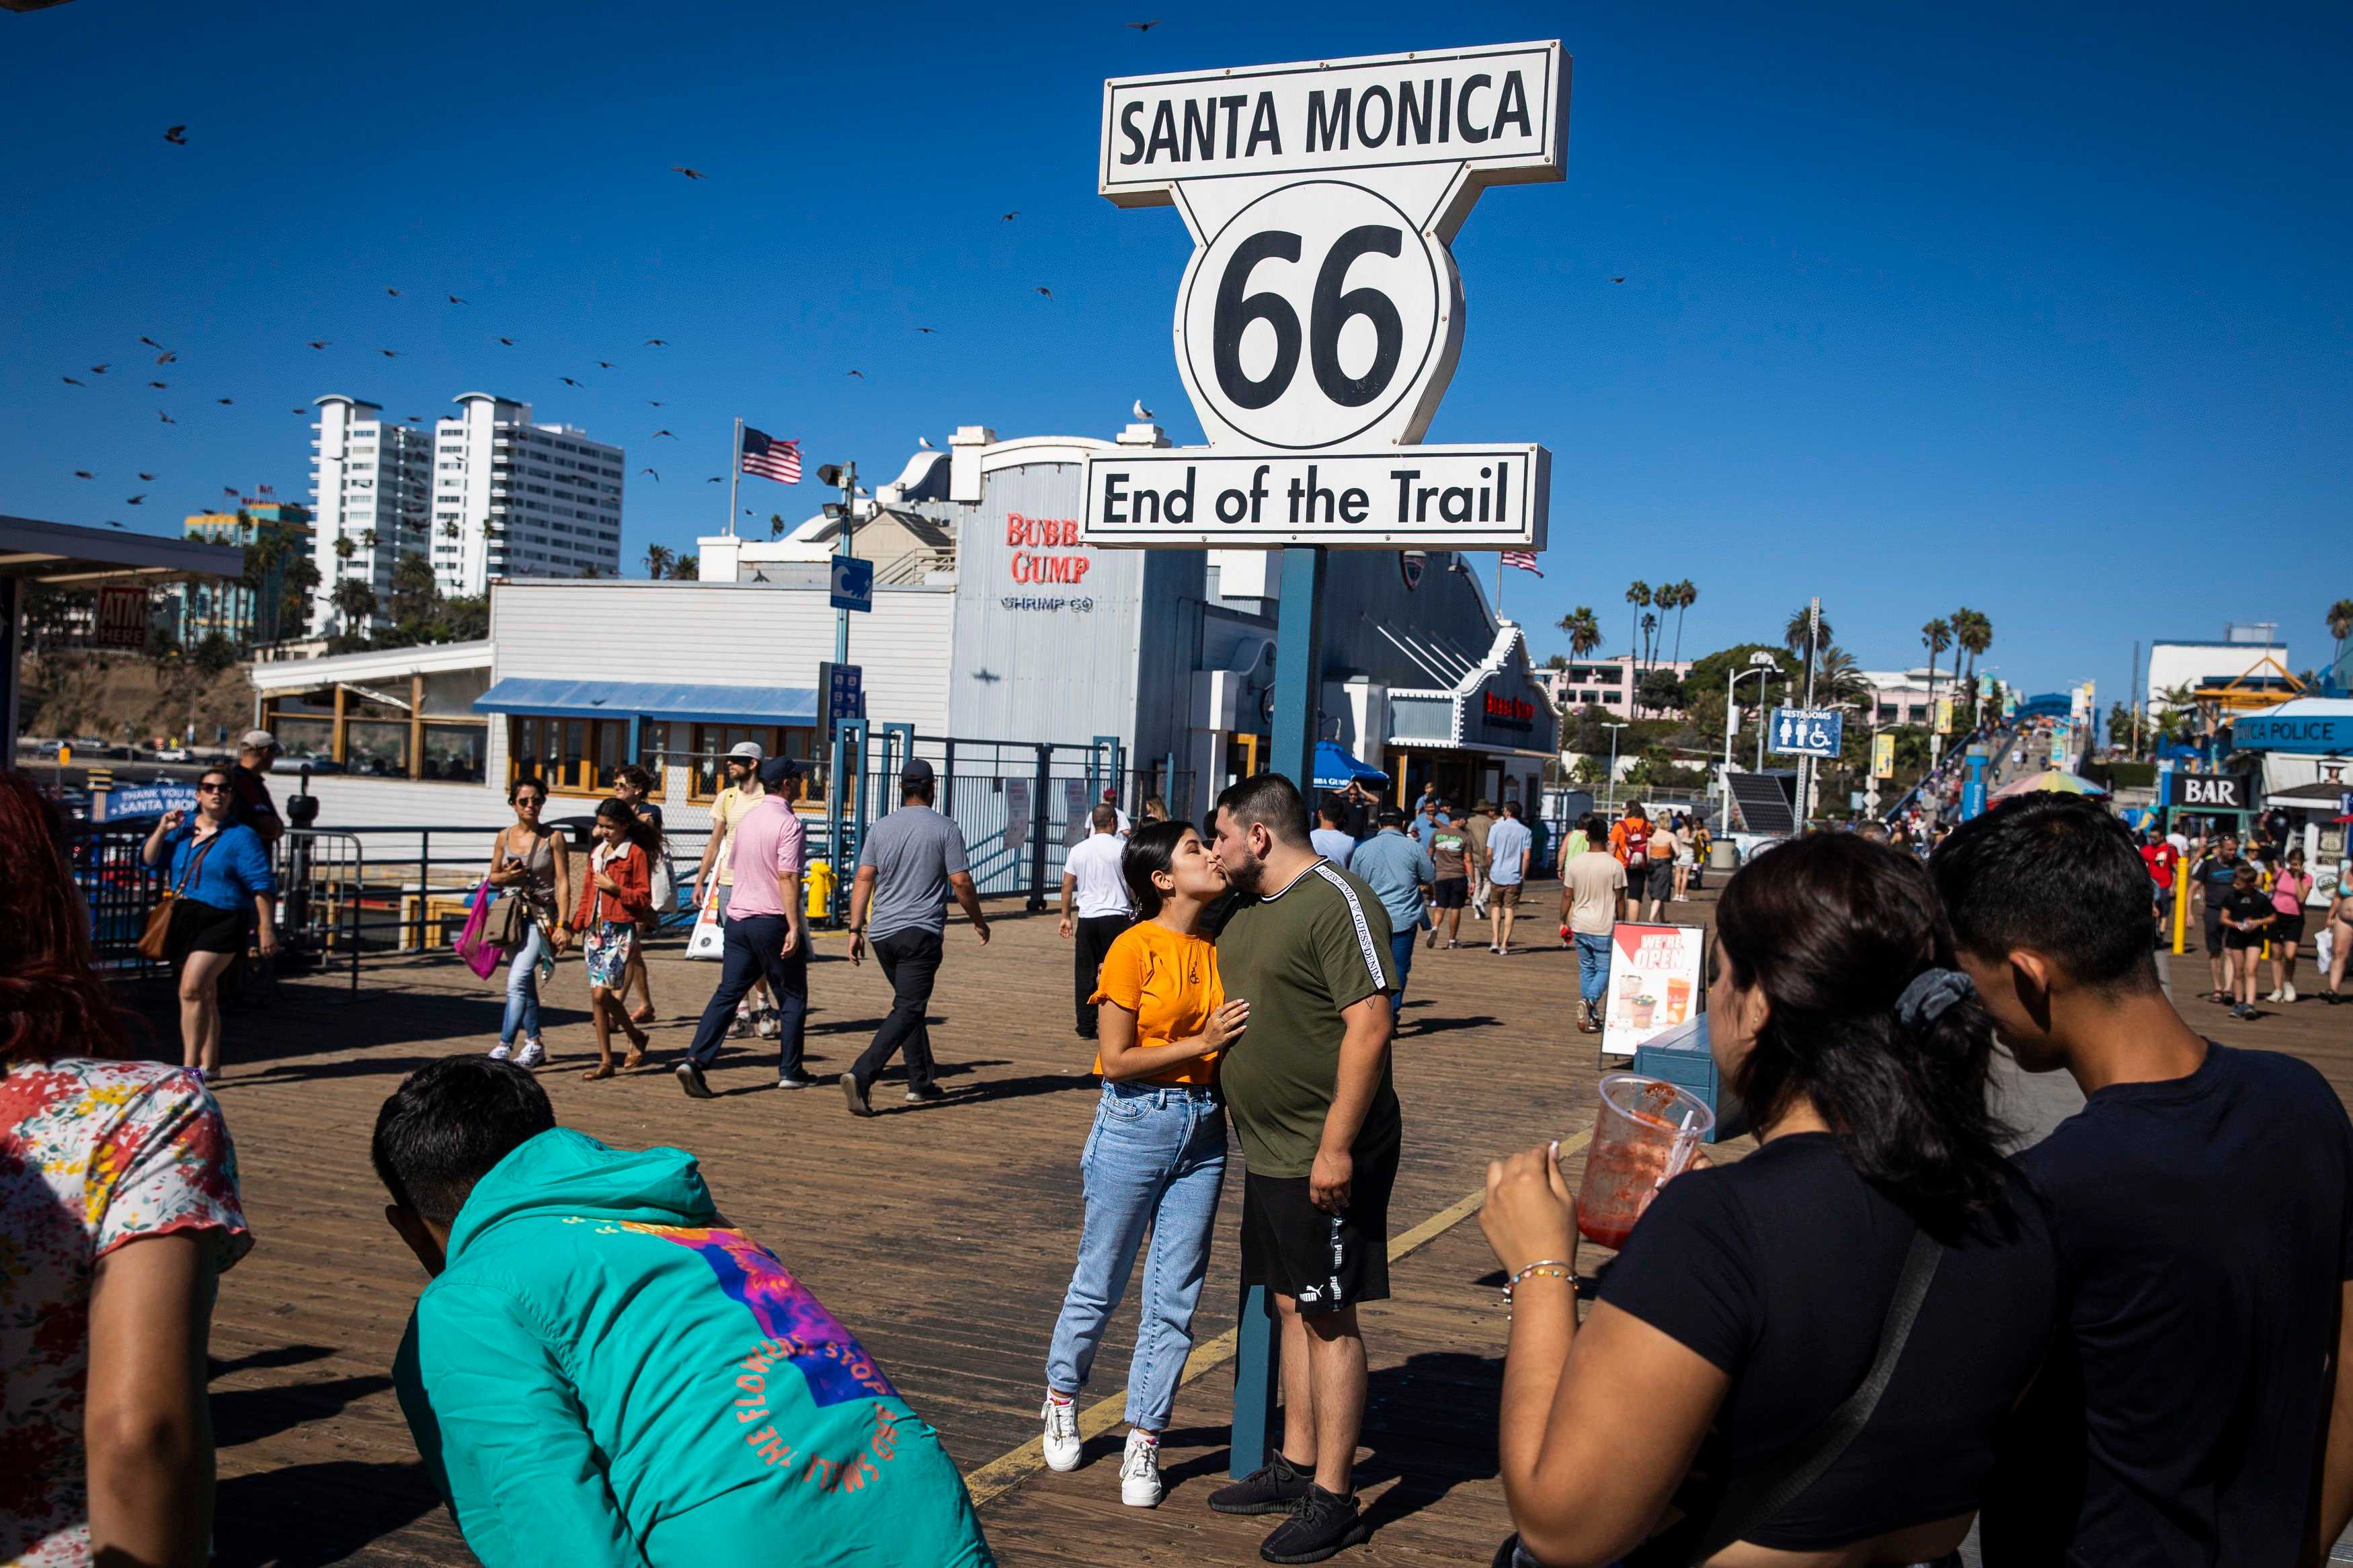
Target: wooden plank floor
{"points": [[943, 1235]]}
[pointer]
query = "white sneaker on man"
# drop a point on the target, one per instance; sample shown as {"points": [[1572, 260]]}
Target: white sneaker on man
{"points": [[1139, 1472], [1063, 1445]]}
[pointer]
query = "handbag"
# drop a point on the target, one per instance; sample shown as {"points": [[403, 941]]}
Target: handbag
{"points": [[508, 924], [482, 957], [154, 939]]}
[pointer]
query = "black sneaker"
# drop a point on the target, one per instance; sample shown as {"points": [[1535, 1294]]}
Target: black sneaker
{"points": [[854, 1095], [690, 1078], [1320, 1526], [794, 1080], [1273, 1488], [926, 1095]]}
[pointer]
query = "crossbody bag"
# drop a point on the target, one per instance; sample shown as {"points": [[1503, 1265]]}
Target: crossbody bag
{"points": [[154, 939]]}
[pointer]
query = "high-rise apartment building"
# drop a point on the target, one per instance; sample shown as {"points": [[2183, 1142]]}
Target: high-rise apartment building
{"points": [[370, 485], [512, 498]]}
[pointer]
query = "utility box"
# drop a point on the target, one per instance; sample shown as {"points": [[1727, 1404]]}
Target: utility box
{"points": [[1682, 1057]]}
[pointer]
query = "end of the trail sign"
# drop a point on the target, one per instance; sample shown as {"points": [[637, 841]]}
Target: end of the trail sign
{"points": [[1446, 497]]}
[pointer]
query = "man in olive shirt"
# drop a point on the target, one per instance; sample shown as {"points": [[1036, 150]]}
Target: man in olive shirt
{"points": [[1309, 1093]]}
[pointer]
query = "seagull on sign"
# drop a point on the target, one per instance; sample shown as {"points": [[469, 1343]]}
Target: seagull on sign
{"points": [[925, 443], [1141, 411]]}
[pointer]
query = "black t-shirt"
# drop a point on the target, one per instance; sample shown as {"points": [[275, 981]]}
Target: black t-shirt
{"points": [[2204, 1235], [249, 798], [2245, 904], [2215, 872], [1779, 1269]]}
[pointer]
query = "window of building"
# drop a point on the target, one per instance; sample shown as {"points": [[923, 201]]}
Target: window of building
{"points": [[573, 756]]}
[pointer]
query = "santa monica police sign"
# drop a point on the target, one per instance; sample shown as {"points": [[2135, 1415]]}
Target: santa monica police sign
{"points": [[1321, 316]]}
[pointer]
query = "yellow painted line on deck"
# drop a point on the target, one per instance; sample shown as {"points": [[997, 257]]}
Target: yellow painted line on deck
{"points": [[1008, 1470]]}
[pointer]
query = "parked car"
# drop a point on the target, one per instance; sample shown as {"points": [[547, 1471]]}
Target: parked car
{"points": [[174, 755]]}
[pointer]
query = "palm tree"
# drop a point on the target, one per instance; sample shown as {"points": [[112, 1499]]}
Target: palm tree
{"points": [[1973, 634], [449, 531], [355, 601], [658, 560], [1649, 637], [345, 548], [1584, 629], [367, 537], [1800, 629], [1935, 636], [1639, 595], [1839, 681], [2340, 625], [1686, 596]]}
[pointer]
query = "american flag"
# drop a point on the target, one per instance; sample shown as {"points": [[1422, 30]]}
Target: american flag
{"points": [[1526, 560], [770, 458]]}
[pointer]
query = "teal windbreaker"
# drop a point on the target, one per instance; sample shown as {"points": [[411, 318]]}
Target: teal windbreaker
{"points": [[604, 1376]]}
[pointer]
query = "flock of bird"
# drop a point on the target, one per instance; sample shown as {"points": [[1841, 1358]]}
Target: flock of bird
{"points": [[178, 135]]}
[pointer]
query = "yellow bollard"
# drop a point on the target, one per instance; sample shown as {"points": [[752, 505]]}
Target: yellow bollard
{"points": [[2181, 908]]}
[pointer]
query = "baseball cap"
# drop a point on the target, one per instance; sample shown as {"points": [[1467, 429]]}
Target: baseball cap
{"points": [[257, 741], [777, 770], [748, 750], [917, 771]]}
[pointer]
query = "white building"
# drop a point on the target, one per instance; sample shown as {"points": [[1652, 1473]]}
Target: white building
{"points": [[512, 498], [369, 481], [2250, 656]]}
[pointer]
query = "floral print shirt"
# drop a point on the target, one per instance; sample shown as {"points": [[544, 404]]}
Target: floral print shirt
{"points": [[92, 1155]]}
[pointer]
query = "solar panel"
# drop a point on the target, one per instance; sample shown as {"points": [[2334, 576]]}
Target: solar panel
{"points": [[1764, 802]]}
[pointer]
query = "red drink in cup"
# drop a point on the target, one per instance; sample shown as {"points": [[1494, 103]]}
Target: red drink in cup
{"points": [[1645, 1133]]}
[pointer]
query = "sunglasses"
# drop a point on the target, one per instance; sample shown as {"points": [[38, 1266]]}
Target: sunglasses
{"points": [[212, 789]]}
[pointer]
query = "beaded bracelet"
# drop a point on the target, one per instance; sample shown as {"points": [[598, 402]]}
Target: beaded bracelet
{"points": [[1544, 1269]]}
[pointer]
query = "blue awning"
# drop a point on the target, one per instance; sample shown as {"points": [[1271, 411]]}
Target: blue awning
{"points": [[1335, 769], [650, 699]]}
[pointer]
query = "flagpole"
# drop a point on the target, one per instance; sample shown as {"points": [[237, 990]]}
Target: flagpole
{"points": [[1499, 585], [734, 474]]}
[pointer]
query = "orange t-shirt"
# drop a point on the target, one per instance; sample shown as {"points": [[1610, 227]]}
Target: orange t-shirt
{"points": [[1170, 982]]}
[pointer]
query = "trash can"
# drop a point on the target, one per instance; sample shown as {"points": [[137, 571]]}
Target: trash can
{"points": [[1723, 854]]}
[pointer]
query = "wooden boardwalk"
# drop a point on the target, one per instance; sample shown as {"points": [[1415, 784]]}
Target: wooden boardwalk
{"points": [[942, 1235]]}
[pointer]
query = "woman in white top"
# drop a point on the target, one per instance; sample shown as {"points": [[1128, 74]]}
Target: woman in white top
{"points": [[1686, 857]]}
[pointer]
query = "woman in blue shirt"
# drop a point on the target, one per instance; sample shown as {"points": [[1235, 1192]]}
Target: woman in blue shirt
{"points": [[219, 869]]}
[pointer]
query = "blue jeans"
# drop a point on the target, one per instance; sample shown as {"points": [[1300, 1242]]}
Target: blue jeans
{"points": [[1156, 1157], [1592, 966], [1401, 960], [523, 988]]}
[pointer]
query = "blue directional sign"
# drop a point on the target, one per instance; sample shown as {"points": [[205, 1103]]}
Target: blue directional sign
{"points": [[1807, 731], [853, 583]]}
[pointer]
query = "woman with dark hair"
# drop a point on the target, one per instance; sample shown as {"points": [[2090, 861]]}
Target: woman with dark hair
{"points": [[218, 871], [1156, 1155], [528, 862], [1808, 1351], [634, 786], [615, 898], [118, 1210]]}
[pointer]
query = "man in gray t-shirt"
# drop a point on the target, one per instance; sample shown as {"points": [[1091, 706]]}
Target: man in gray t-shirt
{"points": [[911, 863]]}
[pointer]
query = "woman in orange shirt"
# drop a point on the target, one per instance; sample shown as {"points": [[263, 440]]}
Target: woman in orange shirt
{"points": [[1156, 1156], [615, 898]]}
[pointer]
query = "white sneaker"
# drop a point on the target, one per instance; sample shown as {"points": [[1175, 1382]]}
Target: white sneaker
{"points": [[2272, 996], [741, 1026], [532, 1055], [771, 1024], [1063, 1445], [502, 1052], [1139, 1472], [2287, 993]]}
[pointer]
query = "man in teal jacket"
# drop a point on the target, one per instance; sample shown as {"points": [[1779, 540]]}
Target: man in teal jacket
{"points": [[603, 1372]]}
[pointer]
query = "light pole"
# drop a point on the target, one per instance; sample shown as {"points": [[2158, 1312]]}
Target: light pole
{"points": [[845, 511], [1609, 803], [1762, 665]]}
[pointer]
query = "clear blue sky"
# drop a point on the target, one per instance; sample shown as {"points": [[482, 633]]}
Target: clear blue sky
{"points": [[2038, 309]]}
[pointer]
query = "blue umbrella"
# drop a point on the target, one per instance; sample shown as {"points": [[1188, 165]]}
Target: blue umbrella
{"points": [[1335, 769]]}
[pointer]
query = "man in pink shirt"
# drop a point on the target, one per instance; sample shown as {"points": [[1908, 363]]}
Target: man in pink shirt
{"points": [[765, 935]]}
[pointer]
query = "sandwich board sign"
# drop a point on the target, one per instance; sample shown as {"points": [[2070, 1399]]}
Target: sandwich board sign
{"points": [[1321, 316]]}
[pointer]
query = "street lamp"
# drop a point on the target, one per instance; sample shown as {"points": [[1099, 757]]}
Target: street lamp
{"points": [[1762, 666], [1610, 805]]}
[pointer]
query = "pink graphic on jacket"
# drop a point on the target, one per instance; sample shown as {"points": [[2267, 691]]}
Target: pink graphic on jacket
{"points": [[831, 1361]]}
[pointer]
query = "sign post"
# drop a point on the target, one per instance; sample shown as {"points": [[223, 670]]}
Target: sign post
{"points": [[1317, 325]]}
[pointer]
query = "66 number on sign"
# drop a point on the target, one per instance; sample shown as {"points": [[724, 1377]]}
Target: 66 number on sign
{"points": [[1313, 317]]}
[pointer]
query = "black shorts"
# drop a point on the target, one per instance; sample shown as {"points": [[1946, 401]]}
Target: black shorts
{"points": [[1322, 1261], [2287, 928], [2214, 929], [1450, 892], [202, 928], [2241, 941]]}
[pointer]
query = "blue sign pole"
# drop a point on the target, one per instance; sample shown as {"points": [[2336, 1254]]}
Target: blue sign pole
{"points": [[1298, 666], [1973, 788]]}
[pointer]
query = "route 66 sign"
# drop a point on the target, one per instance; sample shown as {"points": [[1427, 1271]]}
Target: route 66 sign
{"points": [[1320, 313]]}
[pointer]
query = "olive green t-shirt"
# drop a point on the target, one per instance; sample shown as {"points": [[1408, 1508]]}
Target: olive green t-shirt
{"points": [[1298, 957]]}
